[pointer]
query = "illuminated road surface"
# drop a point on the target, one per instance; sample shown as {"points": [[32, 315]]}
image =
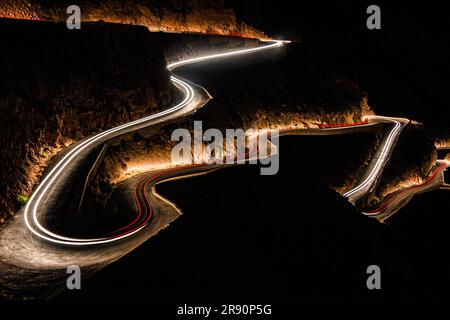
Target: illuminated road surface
{"points": [[368, 181], [400, 198], [193, 99], [33, 258]]}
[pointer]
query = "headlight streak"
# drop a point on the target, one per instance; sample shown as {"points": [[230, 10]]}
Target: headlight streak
{"points": [[51, 177], [371, 178], [277, 43], [402, 194], [34, 201]]}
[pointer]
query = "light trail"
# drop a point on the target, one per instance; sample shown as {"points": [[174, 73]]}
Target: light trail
{"points": [[31, 209], [276, 43], [253, 151], [402, 194], [386, 208], [371, 179]]}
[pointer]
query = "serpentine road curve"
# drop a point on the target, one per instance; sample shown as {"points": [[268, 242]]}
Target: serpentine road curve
{"points": [[34, 258]]}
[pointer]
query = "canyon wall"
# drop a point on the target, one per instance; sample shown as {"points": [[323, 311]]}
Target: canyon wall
{"points": [[259, 91], [58, 86], [201, 16], [412, 160]]}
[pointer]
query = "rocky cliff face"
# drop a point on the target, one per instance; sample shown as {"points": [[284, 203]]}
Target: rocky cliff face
{"points": [[411, 162], [59, 86], [280, 90], [201, 16], [443, 141]]}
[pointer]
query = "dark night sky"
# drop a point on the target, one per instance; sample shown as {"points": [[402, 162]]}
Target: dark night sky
{"points": [[404, 66]]}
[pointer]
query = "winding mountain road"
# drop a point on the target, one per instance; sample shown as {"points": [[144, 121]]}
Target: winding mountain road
{"points": [[34, 255], [400, 198], [378, 162]]}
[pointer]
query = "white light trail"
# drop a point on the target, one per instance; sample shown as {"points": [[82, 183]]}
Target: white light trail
{"points": [[383, 157], [33, 204], [276, 43]]}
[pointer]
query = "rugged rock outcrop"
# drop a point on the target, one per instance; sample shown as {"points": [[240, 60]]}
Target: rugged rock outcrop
{"points": [[282, 91], [105, 74], [201, 16], [58, 86], [411, 162]]}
